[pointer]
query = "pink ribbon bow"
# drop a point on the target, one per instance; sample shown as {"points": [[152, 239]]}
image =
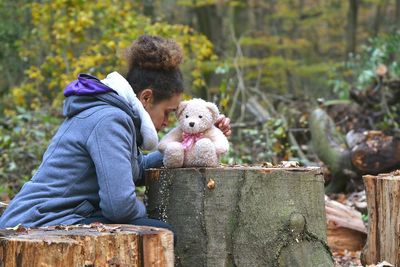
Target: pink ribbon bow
{"points": [[190, 139]]}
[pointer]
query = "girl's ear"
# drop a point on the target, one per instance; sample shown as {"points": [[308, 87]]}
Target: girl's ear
{"points": [[146, 97], [181, 108], [214, 110]]}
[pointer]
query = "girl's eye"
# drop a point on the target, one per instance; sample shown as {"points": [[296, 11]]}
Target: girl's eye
{"points": [[200, 116], [187, 116]]}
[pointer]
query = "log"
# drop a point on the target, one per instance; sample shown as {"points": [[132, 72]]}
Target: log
{"points": [[383, 199], [331, 149], [242, 216], [86, 245], [376, 153], [366, 152], [345, 228]]}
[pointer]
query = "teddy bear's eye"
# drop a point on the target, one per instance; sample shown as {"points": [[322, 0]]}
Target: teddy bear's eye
{"points": [[200, 116], [187, 116]]}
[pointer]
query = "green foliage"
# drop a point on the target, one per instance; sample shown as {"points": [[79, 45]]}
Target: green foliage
{"points": [[23, 139], [71, 37], [359, 71], [12, 27], [264, 143], [364, 218]]}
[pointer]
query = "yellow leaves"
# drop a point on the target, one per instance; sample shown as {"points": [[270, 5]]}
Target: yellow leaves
{"points": [[18, 95], [72, 37], [36, 13], [205, 52], [35, 74], [111, 44]]}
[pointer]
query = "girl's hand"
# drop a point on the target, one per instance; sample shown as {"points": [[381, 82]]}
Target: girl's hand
{"points": [[224, 124]]}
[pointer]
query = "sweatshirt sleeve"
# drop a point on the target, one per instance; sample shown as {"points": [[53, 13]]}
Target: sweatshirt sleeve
{"points": [[110, 147], [151, 160]]}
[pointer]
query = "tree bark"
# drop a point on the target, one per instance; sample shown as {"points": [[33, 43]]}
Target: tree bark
{"points": [[376, 153], [87, 245], [383, 198], [242, 216]]}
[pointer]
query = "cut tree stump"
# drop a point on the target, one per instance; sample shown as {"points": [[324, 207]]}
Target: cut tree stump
{"points": [[87, 245], [242, 216], [383, 198]]}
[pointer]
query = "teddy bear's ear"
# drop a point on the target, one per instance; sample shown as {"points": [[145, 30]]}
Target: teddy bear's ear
{"points": [[181, 108], [214, 110]]}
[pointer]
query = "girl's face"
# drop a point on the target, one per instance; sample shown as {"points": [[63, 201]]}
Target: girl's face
{"points": [[160, 111]]}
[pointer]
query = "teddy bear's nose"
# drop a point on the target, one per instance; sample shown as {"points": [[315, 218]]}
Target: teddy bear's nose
{"points": [[191, 124]]}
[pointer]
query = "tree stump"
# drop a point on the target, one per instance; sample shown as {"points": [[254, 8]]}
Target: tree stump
{"points": [[242, 216], [383, 199], [86, 245]]}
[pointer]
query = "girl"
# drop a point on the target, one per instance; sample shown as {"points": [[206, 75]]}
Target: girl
{"points": [[93, 162]]}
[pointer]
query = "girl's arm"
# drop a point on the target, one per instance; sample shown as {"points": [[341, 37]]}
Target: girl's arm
{"points": [[110, 147]]}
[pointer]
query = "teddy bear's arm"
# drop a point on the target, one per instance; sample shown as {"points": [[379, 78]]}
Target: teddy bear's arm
{"points": [[219, 139], [175, 135]]}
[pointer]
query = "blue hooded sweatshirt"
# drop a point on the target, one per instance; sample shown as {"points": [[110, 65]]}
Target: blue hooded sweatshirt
{"points": [[91, 165]]}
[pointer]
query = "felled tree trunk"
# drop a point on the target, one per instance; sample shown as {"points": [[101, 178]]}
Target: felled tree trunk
{"points": [[87, 245], [242, 216], [383, 198], [376, 153], [330, 147], [368, 152]]}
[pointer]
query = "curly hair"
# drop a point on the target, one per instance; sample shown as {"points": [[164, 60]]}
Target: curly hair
{"points": [[153, 63]]}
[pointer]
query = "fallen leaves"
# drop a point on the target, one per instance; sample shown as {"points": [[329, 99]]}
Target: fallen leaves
{"points": [[19, 229]]}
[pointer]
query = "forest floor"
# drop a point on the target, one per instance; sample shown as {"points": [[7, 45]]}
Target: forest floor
{"points": [[345, 258]]}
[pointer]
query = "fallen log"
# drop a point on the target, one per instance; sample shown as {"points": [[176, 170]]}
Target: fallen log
{"points": [[331, 149], [360, 153], [242, 216], [86, 245], [345, 228], [376, 153], [383, 198]]}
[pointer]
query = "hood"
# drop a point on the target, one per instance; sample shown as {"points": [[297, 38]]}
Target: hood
{"points": [[88, 92], [120, 85], [86, 85]]}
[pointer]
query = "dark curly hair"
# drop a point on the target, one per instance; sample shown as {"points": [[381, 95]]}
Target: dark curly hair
{"points": [[153, 63]]}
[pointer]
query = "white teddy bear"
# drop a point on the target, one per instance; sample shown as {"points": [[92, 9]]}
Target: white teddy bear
{"points": [[196, 142]]}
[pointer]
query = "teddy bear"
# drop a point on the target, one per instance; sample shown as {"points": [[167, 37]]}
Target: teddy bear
{"points": [[195, 142]]}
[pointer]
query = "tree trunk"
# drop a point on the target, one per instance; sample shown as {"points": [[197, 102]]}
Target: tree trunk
{"points": [[331, 149], [352, 27], [397, 13], [242, 216], [383, 198], [87, 245], [148, 8], [377, 20]]}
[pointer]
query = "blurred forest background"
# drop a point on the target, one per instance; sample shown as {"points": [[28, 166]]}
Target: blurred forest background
{"points": [[267, 64]]}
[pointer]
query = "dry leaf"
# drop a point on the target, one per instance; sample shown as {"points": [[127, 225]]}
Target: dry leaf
{"points": [[211, 184]]}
